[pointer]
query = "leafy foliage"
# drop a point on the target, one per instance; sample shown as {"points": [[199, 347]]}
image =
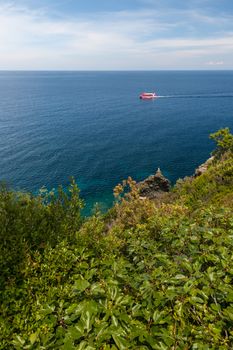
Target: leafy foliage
{"points": [[224, 140], [146, 275]]}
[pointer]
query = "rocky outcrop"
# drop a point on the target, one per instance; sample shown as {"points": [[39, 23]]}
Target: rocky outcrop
{"points": [[153, 186], [203, 167]]}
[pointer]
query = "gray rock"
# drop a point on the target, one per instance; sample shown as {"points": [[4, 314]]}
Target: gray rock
{"points": [[153, 186], [203, 167]]}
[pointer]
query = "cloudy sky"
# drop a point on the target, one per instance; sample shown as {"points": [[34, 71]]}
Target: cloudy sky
{"points": [[116, 34]]}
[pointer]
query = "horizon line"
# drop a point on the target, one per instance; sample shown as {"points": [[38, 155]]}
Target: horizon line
{"points": [[115, 70]]}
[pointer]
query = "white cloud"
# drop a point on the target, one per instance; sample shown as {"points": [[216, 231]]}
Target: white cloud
{"points": [[215, 63], [121, 40]]}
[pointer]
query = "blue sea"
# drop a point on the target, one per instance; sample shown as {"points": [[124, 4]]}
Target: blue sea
{"points": [[93, 126]]}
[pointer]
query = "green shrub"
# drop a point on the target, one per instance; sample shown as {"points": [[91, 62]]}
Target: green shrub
{"points": [[224, 141]]}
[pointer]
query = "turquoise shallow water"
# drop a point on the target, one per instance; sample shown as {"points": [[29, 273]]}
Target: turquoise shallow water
{"points": [[92, 125]]}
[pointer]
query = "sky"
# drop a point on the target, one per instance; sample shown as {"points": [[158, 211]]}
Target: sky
{"points": [[116, 34]]}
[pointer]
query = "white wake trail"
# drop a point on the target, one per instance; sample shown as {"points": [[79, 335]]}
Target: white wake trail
{"points": [[216, 95]]}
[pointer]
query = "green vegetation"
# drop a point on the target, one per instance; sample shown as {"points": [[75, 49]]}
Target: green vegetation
{"points": [[146, 275], [224, 141]]}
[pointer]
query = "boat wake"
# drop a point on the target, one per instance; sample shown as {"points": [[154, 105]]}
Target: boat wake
{"points": [[225, 95]]}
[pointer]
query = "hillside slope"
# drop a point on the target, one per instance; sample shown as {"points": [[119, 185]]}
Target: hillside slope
{"points": [[146, 275]]}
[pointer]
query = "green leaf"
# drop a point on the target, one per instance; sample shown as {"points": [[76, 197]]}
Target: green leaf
{"points": [[72, 308], [195, 300], [96, 289], [156, 316], [74, 333], [180, 277], [19, 341], [120, 342], [114, 321], [86, 320], [68, 344], [81, 285], [33, 338]]}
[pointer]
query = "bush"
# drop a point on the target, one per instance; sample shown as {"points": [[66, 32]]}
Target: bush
{"points": [[224, 140]]}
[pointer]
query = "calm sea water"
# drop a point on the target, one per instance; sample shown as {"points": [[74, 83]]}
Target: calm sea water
{"points": [[92, 125]]}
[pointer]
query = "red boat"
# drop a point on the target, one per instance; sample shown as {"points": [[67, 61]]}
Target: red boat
{"points": [[147, 95]]}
